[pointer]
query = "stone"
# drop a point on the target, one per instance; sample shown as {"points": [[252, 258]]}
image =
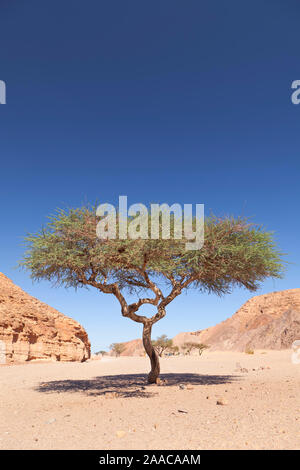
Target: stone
{"points": [[161, 382], [239, 368], [222, 401], [51, 420]]}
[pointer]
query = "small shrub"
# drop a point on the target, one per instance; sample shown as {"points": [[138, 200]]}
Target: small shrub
{"points": [[188, 347], [249, 351]]}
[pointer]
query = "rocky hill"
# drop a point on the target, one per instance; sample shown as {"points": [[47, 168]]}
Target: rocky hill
{"points": [[133, 348], [270, 321], [31, 330]]}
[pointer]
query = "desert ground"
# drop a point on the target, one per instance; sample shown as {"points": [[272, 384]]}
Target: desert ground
{"points": [[207, 402]]}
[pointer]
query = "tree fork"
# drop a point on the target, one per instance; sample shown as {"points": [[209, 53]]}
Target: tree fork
{"points": [[153, 356]]}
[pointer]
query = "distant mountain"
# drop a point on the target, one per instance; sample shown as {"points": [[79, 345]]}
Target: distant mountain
{"points": [[269, 321]]}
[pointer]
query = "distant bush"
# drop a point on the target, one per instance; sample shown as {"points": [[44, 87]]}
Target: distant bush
{"points": [[117, 348], [189, 346], [174, 350], [249, 351], [162, 344]]}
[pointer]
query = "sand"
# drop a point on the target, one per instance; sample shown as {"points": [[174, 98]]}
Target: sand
{"points": [[107, 405]]}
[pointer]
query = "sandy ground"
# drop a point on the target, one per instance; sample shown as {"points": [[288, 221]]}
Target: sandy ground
{"points": [[106, 405]]}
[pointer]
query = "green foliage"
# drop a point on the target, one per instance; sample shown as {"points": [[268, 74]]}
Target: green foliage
{"points": [[117, 348], [68, 252], [189, 346], [162, 343]]}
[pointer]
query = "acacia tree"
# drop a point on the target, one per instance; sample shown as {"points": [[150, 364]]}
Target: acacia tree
{"points": [[174, 350], [161, 344], [117, 348], [189, 346], [69, 253]]}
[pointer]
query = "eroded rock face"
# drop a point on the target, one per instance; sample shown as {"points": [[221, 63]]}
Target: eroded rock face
{"points": [[270, 321], [31, 330]]}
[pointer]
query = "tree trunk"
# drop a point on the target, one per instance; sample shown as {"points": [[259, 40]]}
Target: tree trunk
{"points": [[155, 368]]}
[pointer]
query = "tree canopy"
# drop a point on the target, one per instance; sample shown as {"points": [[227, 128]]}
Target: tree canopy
{"points": [[162, 343], [68, 252], [117, 348], [189, 346]]}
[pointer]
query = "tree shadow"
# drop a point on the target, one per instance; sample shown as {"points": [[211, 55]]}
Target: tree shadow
{"points": [[129, 385]]}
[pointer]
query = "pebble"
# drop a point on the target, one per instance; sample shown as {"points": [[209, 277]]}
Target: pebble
{"points": [[50, 421], [120, 434], [221, 401], [161, 382], [111, 395]]}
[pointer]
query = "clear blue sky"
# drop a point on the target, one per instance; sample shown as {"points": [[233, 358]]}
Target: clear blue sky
{"points": [[163, 101]]}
